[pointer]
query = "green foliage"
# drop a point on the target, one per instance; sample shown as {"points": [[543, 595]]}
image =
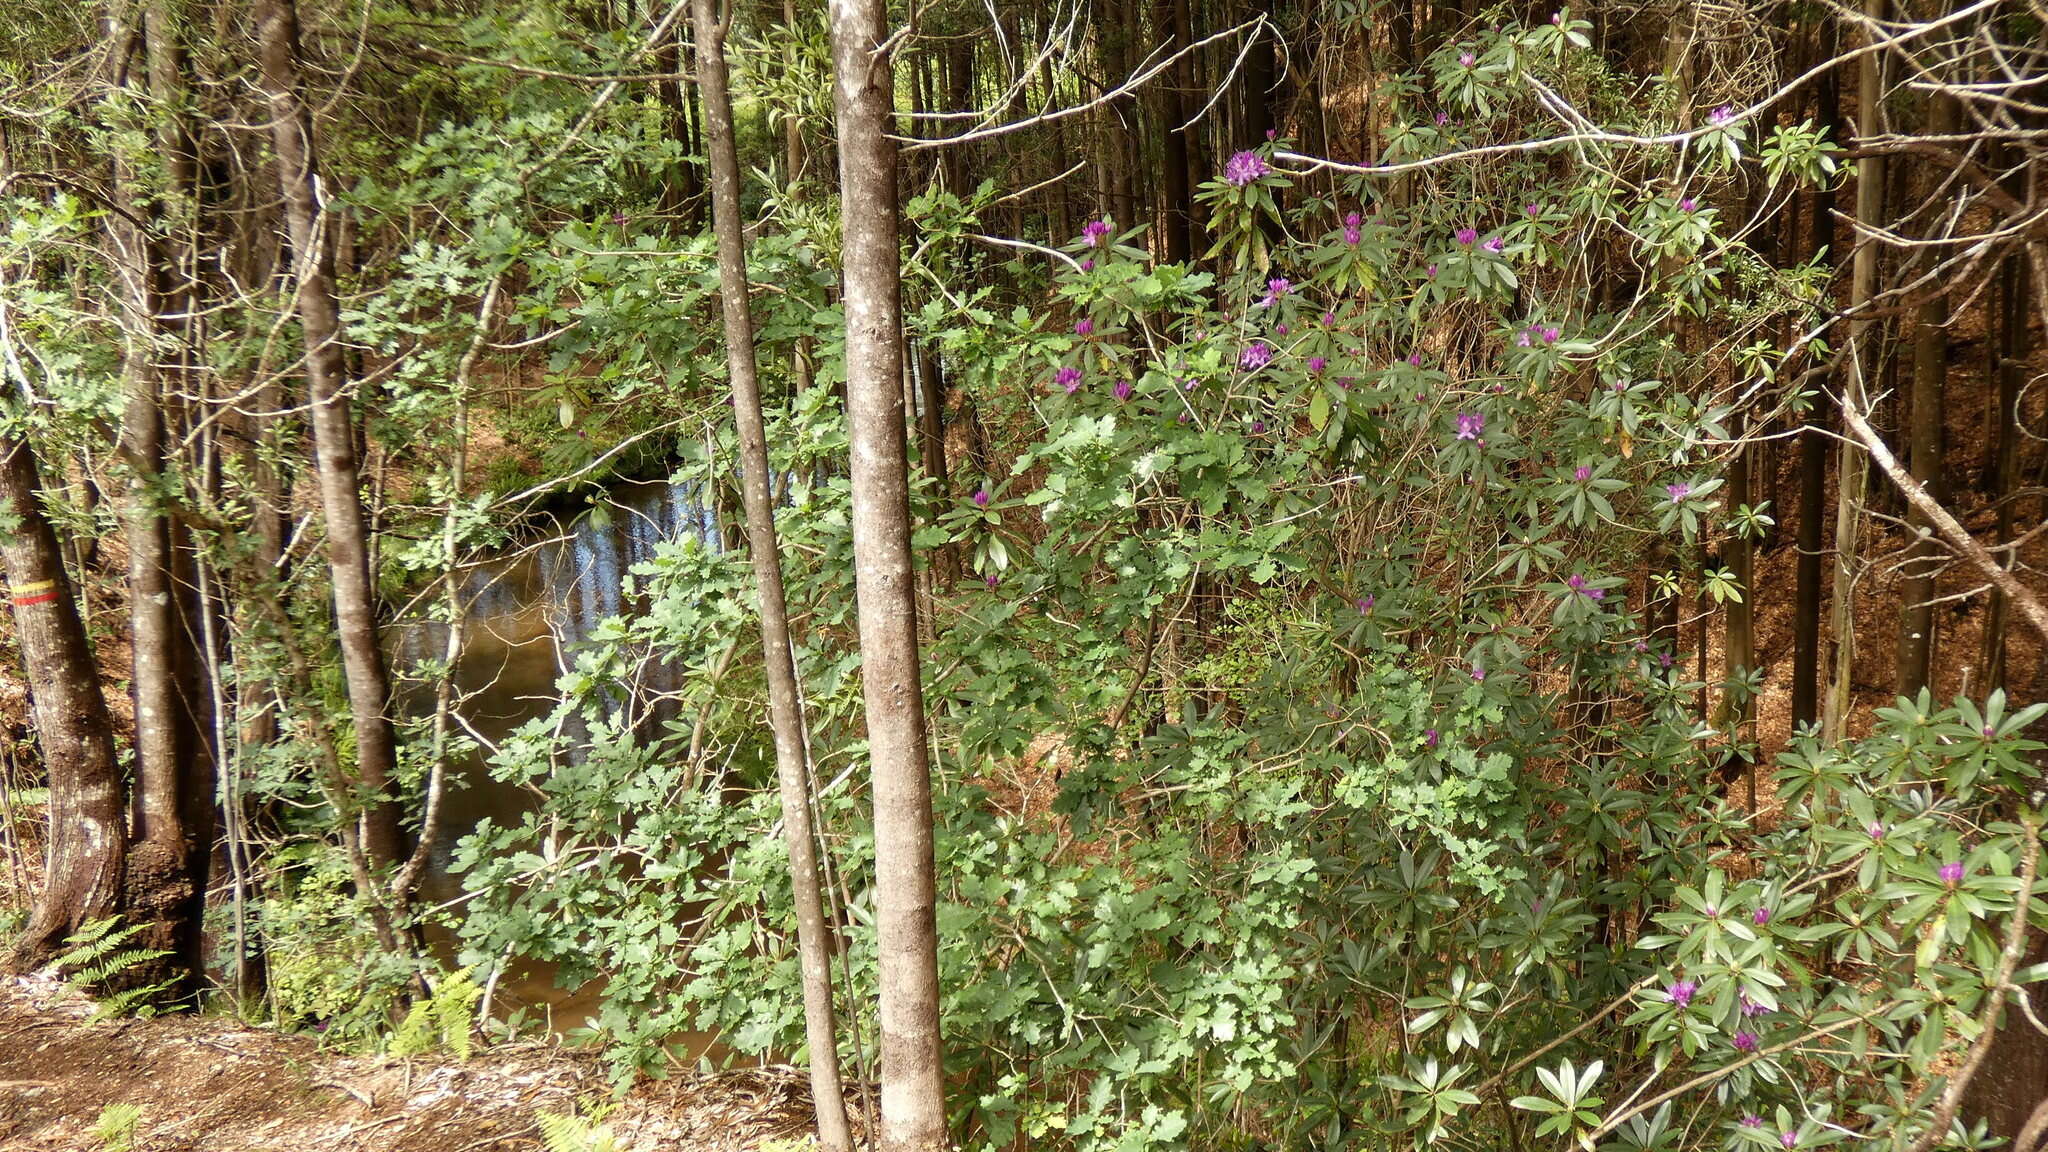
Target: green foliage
{"points": [[115, 1128], [103, 962], [327, 971], [445, 1020], [570, 1132]]}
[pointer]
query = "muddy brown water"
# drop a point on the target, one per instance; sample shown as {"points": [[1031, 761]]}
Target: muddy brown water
{"points": [[527, 613]]}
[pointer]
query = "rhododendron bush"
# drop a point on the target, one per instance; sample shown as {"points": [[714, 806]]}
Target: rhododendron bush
{"points": [[1316, 770]]}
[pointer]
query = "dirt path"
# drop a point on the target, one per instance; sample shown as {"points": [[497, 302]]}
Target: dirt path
{"points": [[206, 1084]]}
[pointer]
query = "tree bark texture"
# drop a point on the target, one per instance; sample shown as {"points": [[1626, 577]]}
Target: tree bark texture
{"points": [[912, 1072], [85, 854], [334, 454], [792, 770]]}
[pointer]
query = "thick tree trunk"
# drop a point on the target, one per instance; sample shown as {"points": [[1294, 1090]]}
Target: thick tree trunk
{"points": [[913, 1084], [334, 454], [85, 855], [814, 942], [172, 822]]}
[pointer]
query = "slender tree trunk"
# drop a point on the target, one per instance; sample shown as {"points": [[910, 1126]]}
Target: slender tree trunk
{"points": [[814, 942], [1813, 439], [913, 1083], [334, 455], [85, 856], [1854, 464], [1176, 193], [2012, 335], [1923, 453]]}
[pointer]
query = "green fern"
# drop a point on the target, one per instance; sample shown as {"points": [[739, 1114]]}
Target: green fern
{"points": [[568, 1132], [116, 1127], [447, 1019], [101, 952]]}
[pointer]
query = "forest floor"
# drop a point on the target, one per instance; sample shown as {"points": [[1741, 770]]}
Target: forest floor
{"points": [[213, 1084]]}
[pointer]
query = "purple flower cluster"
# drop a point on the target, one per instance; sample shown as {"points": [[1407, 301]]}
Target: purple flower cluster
{"points": [[1123, 389], [1465, 236], [1952, 873], [1678, 492], [1681, 992], [1277, 287], [1243, 168], [1255, 356], [1352, 234], [1093, 232], [1084, 327], [1577, 583], [1068, 378], [1471, 425], [981, 497], [1530, 336]]}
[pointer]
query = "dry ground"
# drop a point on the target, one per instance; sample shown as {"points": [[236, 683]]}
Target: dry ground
{"points": [[211, 1084]]}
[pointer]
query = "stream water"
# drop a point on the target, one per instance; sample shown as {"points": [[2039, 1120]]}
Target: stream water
{"points": [[527, 612]]}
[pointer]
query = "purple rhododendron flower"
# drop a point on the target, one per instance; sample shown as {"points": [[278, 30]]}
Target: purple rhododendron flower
{"points": [[1442, 118], [1750, 1008], [1429, 738], [1532, 210], [1681, 992], [1875, 829], [1952, 873], [1255, 356], [1430, 272], [1084, 327], [1087, 265], [1415, 359], [1329, 318], [1678, 491], [1279, 329], [981, 497], [1687, 205], [1471, 425], [1093, 232], [1465, 60], [1068, 378], [990, 580], [1582, 473], [1578, 584], [1317, 363], [1760, 917], [1478, 672], [1720, 117], [1258, 427], [1467, 235], [1752, 1121], [1366, 602], [1746, 1041], [1495, 244], [1123, 389], [1788, 1139], [1243, 168]]}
